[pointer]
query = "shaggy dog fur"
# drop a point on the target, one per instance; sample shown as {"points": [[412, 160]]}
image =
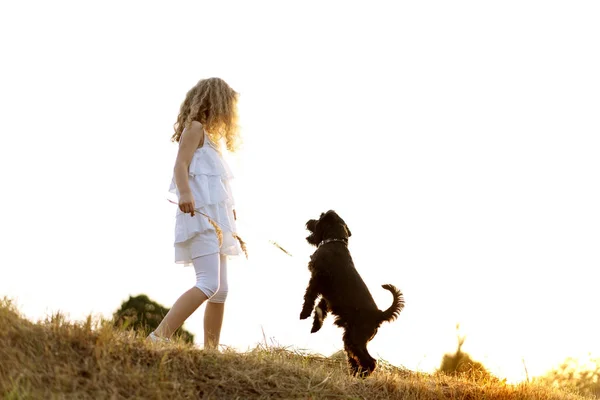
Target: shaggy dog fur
{"points": [[343, 292]]}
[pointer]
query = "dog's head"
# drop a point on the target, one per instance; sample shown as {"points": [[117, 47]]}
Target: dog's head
{"points": [[328, 226]]}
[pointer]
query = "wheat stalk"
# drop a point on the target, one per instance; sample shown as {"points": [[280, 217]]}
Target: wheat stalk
{"points": [[219, 233], [242, 244]]}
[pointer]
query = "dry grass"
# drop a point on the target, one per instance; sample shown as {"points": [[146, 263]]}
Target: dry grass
{"points": [[59, 359]]}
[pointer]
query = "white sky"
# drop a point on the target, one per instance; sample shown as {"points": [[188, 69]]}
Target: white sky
{"points": [[459, 141]]}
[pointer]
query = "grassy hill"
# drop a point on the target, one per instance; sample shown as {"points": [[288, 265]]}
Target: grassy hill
{"points": [[60, 359]]}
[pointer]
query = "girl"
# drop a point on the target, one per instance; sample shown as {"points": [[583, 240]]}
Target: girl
{"points": [[205, 221]]}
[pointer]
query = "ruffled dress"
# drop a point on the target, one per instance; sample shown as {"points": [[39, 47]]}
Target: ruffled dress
{"points": [[209, 179]]}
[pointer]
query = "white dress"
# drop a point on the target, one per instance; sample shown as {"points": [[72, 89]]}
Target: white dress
{"points": [[209, 177]]}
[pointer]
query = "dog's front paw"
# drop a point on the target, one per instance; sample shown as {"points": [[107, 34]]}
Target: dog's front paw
{"points": [[305, 314], [318, 320], [316, 326]]}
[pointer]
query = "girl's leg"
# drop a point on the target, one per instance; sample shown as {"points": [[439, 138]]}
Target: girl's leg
{"points": [[185, 305], [213, 320], [213, 315], [207, 284]]}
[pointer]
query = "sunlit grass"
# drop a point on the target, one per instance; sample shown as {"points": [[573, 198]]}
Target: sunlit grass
{"points": [[90, 359]]}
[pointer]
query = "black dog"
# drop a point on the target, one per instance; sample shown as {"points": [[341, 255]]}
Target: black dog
{"points": [[343, 292]]}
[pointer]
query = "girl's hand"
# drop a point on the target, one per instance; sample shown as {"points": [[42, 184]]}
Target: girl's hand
{"points": [[186, 203]]}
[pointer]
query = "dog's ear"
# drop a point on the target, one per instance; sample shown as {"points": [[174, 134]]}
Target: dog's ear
{"points": [[348, 230]]}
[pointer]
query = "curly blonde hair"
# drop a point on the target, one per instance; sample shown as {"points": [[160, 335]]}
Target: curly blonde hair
{"points": [[213, 103]]}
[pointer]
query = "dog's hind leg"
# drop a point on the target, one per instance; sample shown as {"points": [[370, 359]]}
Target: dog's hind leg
{"points": [[321, 311], [310, 297], [356, 346], [367, 363], [352, 363]]}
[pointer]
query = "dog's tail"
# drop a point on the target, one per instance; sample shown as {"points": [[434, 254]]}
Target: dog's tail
{"points": [[397, 305]]}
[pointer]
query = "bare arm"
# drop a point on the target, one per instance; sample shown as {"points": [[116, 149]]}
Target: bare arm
{"points": [[188, 143]]}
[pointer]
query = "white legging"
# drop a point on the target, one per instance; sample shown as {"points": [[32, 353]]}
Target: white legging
{"points": [[211, 276]]}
